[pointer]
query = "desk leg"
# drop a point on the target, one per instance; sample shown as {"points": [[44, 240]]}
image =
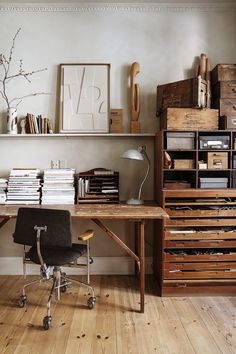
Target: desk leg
{"points": [[4, 221], [136, 247], [142, 264]]}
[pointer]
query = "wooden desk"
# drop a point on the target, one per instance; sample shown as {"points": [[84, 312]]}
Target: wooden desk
{"points": [[96, 212]]}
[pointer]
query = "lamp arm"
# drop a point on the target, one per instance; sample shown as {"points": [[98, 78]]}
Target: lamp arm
{"points": [[146, 175]]}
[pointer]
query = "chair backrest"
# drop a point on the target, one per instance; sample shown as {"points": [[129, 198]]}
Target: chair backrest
{"points": [[58, 222]]}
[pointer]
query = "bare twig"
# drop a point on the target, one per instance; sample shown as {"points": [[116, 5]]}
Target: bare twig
{"points": [[5, 63], [29, 95]]}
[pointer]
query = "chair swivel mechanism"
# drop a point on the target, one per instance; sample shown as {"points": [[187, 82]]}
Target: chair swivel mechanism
{"points": [[47, 238]]}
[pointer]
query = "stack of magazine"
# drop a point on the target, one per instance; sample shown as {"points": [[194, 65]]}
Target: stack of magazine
{"points": [[24, 186], [3, 188], [58, 186]]}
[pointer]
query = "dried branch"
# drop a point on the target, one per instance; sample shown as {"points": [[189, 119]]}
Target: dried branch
{"points": [[29, 95], [5, 63]]}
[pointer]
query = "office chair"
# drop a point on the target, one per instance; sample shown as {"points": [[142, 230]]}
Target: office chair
{"points": [[48, 232]]}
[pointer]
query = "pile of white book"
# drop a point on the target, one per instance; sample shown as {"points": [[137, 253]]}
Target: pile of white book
{"points": [[58, 186], [3, 188], [24, 185]]}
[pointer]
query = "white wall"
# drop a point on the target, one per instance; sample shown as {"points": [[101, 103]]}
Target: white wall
{"points": [[165, 40]]}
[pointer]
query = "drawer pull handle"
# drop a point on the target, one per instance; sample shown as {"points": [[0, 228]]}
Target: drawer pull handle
{"points": [[234, 107], [234, 90], [181, 285]]}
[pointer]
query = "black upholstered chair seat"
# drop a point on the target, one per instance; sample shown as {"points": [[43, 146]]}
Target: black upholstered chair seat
{"points": [[57, 257]]}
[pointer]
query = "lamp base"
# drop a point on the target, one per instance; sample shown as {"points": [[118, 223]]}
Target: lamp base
{"points": [[133, 201]]}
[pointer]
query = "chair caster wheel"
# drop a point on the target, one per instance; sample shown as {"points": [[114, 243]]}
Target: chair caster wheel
{"points": [[91, 302], [22, 302], [47, 322]]}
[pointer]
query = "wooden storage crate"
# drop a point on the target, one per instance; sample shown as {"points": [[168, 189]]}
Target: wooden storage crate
{"points": [[223, 72], [190, 119], [226, 106], [217, 160], [185, 93], [224, 89], [183, 164]]}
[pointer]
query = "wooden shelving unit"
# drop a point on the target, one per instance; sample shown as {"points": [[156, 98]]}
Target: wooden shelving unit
{"points": [[195, 252]]}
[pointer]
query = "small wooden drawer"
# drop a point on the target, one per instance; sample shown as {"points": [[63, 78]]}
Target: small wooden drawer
{"points": [[176, 236], [199, 270], [201, 244], [201, 222], [225, 257], [200, 213]]}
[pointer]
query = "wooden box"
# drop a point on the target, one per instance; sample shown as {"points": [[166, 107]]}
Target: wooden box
{"points": [[217, 160], [186, 93], [177, 185], [224, 89], [177, 140], [228, 123], [189, 119], [183, 164], [223, 72], [226, 106], [116, 120]]}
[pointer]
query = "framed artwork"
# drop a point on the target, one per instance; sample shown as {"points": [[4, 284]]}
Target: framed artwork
{"points": [[84, 98]]}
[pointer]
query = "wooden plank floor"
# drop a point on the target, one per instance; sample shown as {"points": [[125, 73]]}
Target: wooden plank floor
{"points": [[169, 325]]}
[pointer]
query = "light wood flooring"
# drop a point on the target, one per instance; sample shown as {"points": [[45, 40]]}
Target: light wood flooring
{"points": [[169, 325]]}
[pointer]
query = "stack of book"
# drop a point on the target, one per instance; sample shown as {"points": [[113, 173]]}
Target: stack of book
{"points": [[24, 186], [3, 188], [58, 186]]}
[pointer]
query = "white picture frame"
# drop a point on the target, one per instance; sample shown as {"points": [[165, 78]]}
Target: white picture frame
{"points": [[84, 98]]}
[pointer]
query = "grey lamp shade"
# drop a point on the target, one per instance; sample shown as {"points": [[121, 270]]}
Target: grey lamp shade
{"points": [[132, 154]]}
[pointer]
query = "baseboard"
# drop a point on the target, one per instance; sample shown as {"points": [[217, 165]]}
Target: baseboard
{"points": [[101, 265]]}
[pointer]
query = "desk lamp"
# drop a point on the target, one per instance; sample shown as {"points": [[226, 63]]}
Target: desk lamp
{"points": [[139, 154]]}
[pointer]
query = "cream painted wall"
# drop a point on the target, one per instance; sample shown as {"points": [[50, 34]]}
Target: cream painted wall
{"points": [[164, 40]]}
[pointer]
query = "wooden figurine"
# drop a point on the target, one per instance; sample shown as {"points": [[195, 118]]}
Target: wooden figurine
{"points": [[134, 99]]}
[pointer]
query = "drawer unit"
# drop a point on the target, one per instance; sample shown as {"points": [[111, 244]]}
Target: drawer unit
{"points": [[198, 249]]}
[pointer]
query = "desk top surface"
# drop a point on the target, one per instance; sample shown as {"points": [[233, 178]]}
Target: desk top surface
{"points": [[96, 211]]}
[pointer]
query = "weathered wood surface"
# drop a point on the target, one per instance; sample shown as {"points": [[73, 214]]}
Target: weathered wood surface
{"points": [[189, 119], [98, 211]]}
